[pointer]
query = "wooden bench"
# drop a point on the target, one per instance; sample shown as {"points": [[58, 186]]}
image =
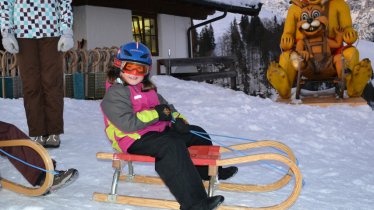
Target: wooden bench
{"points": [[227, 72]]}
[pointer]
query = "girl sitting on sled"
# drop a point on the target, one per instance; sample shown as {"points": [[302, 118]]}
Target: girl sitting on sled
{"points": [[140, 121]]}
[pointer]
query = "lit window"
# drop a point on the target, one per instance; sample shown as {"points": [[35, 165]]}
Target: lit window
{"points": [[144, 30]]}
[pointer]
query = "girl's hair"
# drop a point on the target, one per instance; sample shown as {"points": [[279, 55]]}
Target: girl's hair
{"points": [[148, 84], [114, 72]]}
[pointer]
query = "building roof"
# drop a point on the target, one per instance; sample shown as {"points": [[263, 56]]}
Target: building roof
{"points": [[196, 9]]}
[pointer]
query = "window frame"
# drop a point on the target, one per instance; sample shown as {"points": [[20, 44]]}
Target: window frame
{"points": [[142, 36]]}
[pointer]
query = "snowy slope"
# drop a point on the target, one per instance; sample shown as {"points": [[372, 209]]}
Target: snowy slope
{"points": [[333, 145]]}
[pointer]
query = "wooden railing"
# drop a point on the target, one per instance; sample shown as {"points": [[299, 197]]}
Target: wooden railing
{"points": [[225, 68]]}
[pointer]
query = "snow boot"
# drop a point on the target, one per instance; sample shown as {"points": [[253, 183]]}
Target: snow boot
{"points": [[209, 203], [52, 141], [226, 173], [64, 178], [39, 139]]}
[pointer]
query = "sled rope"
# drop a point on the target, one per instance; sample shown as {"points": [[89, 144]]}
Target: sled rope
{"points": [[197, 133], [28, 164], [239, 138], [236, 151], [268, 165]]}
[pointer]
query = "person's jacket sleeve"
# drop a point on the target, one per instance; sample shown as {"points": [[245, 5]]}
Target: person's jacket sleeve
{"points": [[66, 15], [6, 15], [117, 107]]}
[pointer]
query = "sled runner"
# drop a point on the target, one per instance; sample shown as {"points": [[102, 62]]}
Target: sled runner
{"points": [[211, 157], [18, 188]]}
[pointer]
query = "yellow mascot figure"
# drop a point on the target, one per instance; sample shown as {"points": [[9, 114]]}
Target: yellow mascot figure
{"points": [[315, 49], [282, 75]]}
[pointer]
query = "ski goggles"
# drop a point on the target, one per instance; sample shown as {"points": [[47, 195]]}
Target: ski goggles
{"points": [[132, 68]]}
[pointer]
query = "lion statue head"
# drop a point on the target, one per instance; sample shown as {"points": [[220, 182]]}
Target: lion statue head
{"points": [[312, 20]]}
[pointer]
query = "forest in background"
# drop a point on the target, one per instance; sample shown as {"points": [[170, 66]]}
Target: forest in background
{"points": [[252, 41]]}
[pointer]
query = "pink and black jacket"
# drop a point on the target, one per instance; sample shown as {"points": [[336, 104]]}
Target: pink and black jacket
{"points": [[129, 113]]}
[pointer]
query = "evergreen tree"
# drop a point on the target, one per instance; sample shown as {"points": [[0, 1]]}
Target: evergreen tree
{"points": [[194, 42], [206, 41], [212, 41], [224, 44], [244, 28], [237, 49]]}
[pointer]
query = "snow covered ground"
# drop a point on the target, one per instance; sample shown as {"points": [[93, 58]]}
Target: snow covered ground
{"points": [[334, 147]]}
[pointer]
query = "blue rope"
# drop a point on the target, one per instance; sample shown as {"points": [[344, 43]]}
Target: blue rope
{"points": [[244, 139], [28, 164], [268, 165], [237, 151], [197, 133]]}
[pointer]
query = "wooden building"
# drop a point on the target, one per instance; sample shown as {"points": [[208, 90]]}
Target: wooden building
{"points": [[160, 24]]}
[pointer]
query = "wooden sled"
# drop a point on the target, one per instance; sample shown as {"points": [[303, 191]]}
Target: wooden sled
{"points": [[210, 156], [322, 99], [30, 191]]}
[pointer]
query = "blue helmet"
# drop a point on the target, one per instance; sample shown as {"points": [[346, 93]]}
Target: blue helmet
{"points": [[135, 52]]}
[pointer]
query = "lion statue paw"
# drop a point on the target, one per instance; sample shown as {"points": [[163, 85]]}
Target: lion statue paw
{"points": [[358, 78], [277, 77]]}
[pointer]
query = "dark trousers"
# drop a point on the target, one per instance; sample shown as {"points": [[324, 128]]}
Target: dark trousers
{"points": [[41, 72], [173, 163], [11, 132]]}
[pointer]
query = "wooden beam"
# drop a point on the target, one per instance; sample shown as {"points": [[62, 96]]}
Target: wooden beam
{"points": [[177, 8], [326, 101], [227, 60]]}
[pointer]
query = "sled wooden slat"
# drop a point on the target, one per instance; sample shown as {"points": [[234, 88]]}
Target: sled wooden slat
{"points": [[212, 159], [200, 155], [138, 201], [155, 203], [30, 191], [221, 186], [326, 101]]}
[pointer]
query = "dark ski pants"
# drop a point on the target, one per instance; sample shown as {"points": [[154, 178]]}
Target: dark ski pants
{"points": [[41, 72], [11, 132], [173, 163]]}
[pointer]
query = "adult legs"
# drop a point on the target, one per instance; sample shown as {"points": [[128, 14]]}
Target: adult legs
{"points": [[174, 166], [51, 74], [29, 65], [42, 78]]}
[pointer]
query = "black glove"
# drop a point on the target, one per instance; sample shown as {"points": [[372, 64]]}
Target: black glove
{"points": [[164, 112], [181, 126]]}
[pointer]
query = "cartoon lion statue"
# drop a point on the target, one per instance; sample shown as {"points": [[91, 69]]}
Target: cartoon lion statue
{"points": [[315, 48], [339, 23]]}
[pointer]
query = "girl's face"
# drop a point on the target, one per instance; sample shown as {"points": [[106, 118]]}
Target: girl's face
{"points": [[131, 79], [130, 74]]}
